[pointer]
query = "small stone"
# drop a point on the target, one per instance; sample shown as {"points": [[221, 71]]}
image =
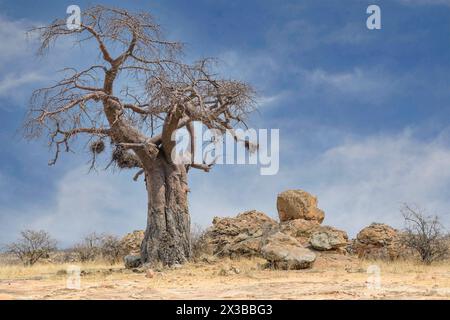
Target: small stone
{"points": [[149, 273]]}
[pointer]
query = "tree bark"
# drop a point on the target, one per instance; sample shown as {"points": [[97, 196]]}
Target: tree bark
{"points": [[167, 237]]}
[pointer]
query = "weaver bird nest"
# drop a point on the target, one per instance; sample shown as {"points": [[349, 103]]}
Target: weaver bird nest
{"points": [[97, 147], [125, 159]]}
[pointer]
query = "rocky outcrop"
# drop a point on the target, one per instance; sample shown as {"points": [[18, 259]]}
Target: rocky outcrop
{"points": [[132, 262], [328, 238], [286, 245], [298, 204], [239, 236], [378, 241], [131, 242], [300, 229], [285, 252]]}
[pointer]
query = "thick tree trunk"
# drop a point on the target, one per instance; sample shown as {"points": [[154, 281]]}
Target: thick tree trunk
{"points": [[167, 237]]}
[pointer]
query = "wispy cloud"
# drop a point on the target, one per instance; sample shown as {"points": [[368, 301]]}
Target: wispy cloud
{"points": [[358, 181], [358, 178], [370, 86], [13, 40], [82, 203], [367, 179], [11, 82]]}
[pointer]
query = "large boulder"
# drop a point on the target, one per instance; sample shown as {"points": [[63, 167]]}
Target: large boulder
{"points": [[285, 252], [239, 236], [131, 242], [132, 262], [298, 204], [378, 241], [300, 229], [328, 238]]}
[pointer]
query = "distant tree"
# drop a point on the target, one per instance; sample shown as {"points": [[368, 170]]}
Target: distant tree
{"points": [[32, 246], [111, 248], [89, 248], [133, 97], [424, 234]]}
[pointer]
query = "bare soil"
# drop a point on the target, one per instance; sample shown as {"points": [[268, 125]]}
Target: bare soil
{"points": [[332, 277]]}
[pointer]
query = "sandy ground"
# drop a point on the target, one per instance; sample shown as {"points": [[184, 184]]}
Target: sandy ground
{"points": [[333, 277]]}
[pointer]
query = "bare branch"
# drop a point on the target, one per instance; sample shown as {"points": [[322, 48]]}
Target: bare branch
{"points": [[161, 93]]}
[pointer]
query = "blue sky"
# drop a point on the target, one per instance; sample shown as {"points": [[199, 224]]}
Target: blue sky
{"points": [[363, 114]]}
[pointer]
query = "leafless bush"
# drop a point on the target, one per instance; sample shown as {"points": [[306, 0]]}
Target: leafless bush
{"points": [[424, 234], [32, 246], [99, 246], [111, 248], [199, 244], [89, 248]]}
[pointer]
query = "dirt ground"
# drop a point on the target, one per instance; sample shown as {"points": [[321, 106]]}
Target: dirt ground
{"points": [[332, 277]]}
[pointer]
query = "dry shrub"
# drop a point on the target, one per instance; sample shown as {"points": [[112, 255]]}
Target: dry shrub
{"points": [[95, 246], [424, 234], [199, 243], [32, 246], [89, 248], [111, 249]]}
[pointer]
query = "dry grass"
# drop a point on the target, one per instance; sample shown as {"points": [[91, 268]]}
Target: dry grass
{"points": [[408, 266], [332, 277], [11, 272]]}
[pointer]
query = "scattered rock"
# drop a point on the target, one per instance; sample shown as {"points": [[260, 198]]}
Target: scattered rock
{"points": [[239, 236], [235, 270], [131, 242], [285, 252], [378, 241], [149, 273], [229, 270], [329, 238], [132, 262], [298, 204]]}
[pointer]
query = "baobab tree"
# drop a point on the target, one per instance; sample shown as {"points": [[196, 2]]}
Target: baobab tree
{"points": [[131, 103]]}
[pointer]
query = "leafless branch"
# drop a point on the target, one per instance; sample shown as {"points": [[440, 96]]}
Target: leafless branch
{"points": [[162, 93]]}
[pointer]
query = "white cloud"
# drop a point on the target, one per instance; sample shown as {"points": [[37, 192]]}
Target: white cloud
{"points": [[355, 81], [13, 40], [83, 203], [11, 82], [269, 101], [371, 85], [358, 181], [256, 66], [365, 180], [21, 70]]}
